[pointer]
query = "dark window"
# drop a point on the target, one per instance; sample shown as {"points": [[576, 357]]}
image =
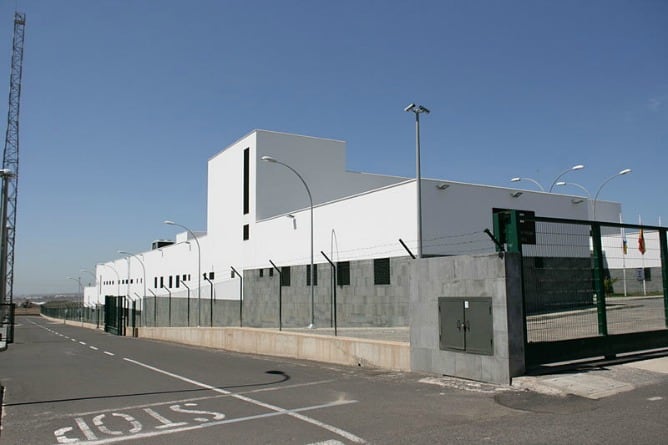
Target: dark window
{"points": [[261, 273], [308, 274], [132, 280], [170, 281], [271, 272], [211, 275], [232, 274], [178, 282], [343, 273], [162, 282], [381, 271], [285, 276], [246, 181], [246, 232]]}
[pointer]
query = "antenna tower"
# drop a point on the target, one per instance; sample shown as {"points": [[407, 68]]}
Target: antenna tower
{"points": [[11, 158]]}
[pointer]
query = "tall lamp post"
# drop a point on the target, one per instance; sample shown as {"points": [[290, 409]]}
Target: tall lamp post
{"points": [[574, 168], [418, 109], [310, 197], [123, 252], [78, 280], [518, 179], [199, 268], [620, 173]]}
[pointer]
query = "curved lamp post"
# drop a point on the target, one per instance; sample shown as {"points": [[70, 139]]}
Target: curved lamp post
{"points": [[310, 198], [562, 183], [199, 267], [620, 173], [418, 109], [118, 278], [123, 252], [542, 189], [575, 167], [78, 280]]}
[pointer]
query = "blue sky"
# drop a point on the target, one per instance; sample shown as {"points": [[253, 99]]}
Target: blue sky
{"points": [[125, 101]]}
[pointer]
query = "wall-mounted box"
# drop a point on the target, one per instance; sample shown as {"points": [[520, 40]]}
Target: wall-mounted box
{"points": [[465, 324]]}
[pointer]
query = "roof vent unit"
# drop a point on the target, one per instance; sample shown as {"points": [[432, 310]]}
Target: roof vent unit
{"points": [[161, 243]]}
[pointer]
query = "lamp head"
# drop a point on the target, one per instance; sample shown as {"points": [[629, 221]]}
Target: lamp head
{"points": [[416, 109], [516, 180], [560, 183], [171, 223], [625, 171], [268, 159], [578, 167]]}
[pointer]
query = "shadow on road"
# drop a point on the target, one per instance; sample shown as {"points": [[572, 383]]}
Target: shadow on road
{"points": [[283, 378]]}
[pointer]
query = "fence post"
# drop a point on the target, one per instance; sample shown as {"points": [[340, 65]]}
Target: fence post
{"points": [[664, 271], [599, 278], [280, 296]]}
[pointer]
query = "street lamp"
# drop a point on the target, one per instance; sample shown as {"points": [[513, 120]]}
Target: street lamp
{"points": [[118, 278], [199, 267], [620, 173], [575, 167], [418, 109], [562, 183], [310, 198], [78, 280], [542, 189], [123, 252]]}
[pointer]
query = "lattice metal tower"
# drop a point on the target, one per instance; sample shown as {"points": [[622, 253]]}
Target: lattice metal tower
{"points": [[11, 156]]}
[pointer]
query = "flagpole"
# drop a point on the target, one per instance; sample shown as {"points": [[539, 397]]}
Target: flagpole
{"points": [[624, 249], [642, 255]]}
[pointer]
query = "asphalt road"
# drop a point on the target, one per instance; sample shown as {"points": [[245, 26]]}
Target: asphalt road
{"points": [[65, 384]]}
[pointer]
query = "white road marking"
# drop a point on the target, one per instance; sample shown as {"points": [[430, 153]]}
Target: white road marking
{"points": [[328, 442], [166, 423], [145, 435], [82, 343], [93, 348], [197, 399], [293, 413], [655, 399], [109, 353], [83, 426]]}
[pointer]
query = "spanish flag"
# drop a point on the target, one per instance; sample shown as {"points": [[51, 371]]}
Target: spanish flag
{"points": [[641, 243]]}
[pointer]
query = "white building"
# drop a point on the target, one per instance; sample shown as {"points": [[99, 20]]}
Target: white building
{"points": [[259, 211]]}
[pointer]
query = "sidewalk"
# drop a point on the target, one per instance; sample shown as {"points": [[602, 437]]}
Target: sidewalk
{"points": [[596, 380]]}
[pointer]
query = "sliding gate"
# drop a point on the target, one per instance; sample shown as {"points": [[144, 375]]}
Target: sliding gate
{"points": [[589, 288], [114, 314]]}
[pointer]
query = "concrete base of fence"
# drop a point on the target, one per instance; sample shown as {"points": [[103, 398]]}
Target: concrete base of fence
{"points": [[303, 346], [73, 323]]}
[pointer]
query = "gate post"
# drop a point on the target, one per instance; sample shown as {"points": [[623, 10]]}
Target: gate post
{"points": [[599, 278], [664, 271]]}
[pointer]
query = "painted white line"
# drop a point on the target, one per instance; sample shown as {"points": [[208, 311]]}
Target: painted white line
{"points": [[93, 348], [333, 429], [109, 353], [82, 343], [73, 339], [655, 399], [83, 426], [196, 399]]}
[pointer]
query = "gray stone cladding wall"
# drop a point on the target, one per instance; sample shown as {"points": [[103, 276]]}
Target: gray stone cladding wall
{"points": [[360, 304], [634, 286], [468, 276]]}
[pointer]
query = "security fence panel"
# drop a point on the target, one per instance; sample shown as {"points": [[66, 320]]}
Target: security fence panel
{"points": [[590, 288]]}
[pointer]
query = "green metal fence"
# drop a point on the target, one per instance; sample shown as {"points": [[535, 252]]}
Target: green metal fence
{"points": [[590, 288]]}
